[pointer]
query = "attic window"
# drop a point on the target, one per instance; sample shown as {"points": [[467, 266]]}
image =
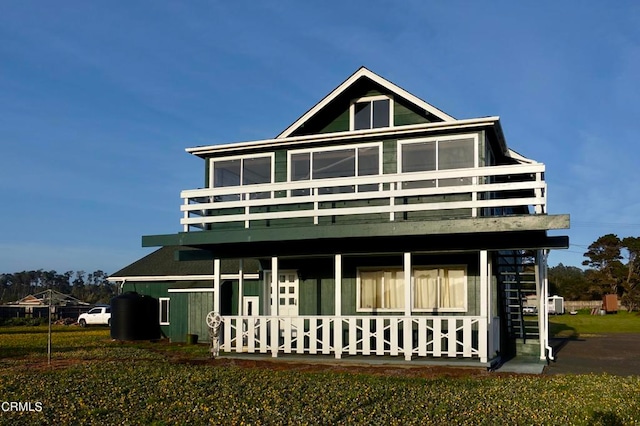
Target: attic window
{"points": [[371, 113]]}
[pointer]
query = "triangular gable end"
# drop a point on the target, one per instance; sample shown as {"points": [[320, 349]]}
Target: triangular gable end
{"points": [[363, 74]]}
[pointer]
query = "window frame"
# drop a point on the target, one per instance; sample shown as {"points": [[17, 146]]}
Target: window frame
{"points": [[354, 147], [212, 161], [383, 269], [168, 310], [437, 140], [370, 99], [464, 308]]}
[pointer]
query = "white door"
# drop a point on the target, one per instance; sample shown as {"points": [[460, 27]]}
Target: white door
{"points": [[250, 305], [287, 290]]}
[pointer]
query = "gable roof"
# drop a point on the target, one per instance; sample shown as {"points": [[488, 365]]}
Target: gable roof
{"points": [[163, 262], [364, 73]]}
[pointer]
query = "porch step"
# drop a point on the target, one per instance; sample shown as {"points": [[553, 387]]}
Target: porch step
{"points": [[528, 348]]}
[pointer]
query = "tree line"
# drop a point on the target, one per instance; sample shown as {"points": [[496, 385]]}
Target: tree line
{"points": [[91, 288], [613, 268]]}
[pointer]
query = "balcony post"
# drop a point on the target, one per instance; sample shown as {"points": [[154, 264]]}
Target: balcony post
{"points": [[240, 286]]}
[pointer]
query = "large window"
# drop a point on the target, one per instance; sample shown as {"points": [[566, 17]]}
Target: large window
{"points": [[371, 113], [164, 310], [438, 154], [443, 288], [381, 290], [240, 172], [362, 160]]}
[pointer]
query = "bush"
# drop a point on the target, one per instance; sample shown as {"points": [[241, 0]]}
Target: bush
{"points": [[24, 321]]}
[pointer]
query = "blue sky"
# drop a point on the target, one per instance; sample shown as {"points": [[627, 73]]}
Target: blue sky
{"points": [[98, 101]]}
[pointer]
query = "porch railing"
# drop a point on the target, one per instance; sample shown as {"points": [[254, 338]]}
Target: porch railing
{"points": [[425, 336], [484, 191]]}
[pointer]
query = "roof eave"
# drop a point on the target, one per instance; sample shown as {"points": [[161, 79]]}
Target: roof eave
{"points": [[203, 151]]}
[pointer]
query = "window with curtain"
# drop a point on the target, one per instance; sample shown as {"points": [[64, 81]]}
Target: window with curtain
{"points": [[381, 290], [442, 288]]}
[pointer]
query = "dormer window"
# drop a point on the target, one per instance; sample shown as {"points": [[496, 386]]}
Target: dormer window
{"points": [[371, 113]]}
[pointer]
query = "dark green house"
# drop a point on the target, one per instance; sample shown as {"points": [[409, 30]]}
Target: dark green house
{"points": [[375, 224]]}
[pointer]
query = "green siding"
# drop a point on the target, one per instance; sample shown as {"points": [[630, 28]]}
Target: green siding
{"points": [[199, 305], [339, 124], [406, 114], [389, 156], [280, 167]]}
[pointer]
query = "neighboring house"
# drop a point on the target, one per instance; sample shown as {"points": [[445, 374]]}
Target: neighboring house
{"points": [[375, 224], [38, 305]]}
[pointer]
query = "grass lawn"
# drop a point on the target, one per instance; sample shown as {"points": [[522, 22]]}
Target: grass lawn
{"points": [[97, 381], [583, 324]]}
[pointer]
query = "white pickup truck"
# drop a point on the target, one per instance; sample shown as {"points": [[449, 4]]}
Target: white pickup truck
{"points": [[100, 315]]}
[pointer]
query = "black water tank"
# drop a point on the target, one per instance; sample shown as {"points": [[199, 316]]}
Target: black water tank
{"points": [[134, 317]]}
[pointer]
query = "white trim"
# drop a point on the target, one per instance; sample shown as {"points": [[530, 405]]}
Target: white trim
{"points": [[348, 135], [191, 290], [364, 72], [168, 300], [152, 278]]}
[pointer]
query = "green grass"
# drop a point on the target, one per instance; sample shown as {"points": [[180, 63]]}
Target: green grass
{"points": [[122, 383], [583, 324]]}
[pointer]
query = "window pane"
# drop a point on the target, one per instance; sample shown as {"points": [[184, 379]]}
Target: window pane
{"points": [[362, 116], [452, 292], [425, 282], [368, 161], [334, 164], [300, 166], [393, 289], [300, 170], [226, 173], [455, 154], [381, 113], [419, 157], [370, 290], [256, 170]]}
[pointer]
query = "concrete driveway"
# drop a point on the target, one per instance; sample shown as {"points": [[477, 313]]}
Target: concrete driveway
{"points": [[617, 354]]}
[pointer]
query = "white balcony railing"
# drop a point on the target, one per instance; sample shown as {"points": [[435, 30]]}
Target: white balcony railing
{"points": [[411, 337], [489, 191]]}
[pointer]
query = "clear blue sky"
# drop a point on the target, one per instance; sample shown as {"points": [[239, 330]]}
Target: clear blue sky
{"points": [[98, 101]]}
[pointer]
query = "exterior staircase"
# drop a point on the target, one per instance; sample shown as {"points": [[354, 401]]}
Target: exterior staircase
{"points": [[517, 280]]}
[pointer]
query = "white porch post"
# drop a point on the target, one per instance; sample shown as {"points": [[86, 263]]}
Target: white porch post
{"points": [[337, 326], [485, 334], [240, 285], [216, 285], [275, 322], [407, 327]]}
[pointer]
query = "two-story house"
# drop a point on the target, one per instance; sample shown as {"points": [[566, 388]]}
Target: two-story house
{"points": [[375, 224]]}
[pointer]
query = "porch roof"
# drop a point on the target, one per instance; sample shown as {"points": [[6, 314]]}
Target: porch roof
{"points": [[491, 233]]}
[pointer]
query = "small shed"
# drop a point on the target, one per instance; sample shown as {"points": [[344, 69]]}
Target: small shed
{"points": [[556, 305]]}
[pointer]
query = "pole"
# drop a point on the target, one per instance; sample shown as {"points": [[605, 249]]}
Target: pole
{"points": [[49, 341]]}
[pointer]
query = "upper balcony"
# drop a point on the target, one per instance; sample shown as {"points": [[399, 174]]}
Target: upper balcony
{"points": [[386, 198]]}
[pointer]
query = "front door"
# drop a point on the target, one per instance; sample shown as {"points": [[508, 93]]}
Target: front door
{"points": [[287, 290]]}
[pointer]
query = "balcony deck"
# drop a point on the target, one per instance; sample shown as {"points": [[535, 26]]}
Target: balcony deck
{"points": [[474, 192]]}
